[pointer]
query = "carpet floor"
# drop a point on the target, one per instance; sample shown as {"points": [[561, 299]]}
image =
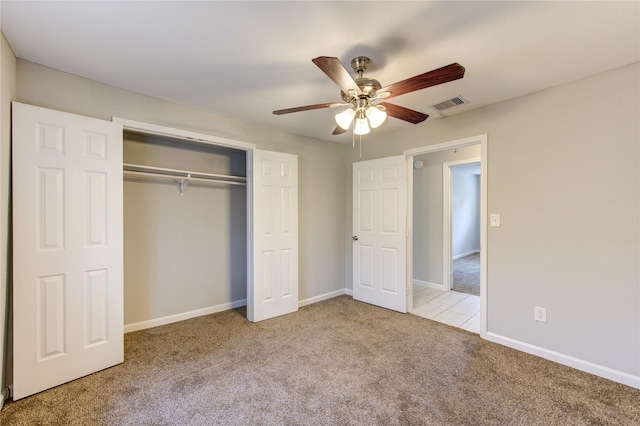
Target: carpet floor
{"points": [[466, 274], [337, 362]]}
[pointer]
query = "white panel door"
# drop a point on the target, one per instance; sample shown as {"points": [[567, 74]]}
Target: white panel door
{"points": [[275, 236], [380, 232], [67, 245]]}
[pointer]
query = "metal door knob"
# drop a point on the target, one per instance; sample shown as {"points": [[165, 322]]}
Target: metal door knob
{"points": [[354, 238]]}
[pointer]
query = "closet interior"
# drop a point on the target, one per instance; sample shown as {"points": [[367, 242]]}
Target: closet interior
{"points": [[185, 229]]}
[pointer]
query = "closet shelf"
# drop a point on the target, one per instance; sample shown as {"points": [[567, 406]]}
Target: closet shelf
{"points": [[182, 177]]}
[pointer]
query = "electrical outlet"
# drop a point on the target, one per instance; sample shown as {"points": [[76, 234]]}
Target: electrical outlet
{"points": [[540, 314]]}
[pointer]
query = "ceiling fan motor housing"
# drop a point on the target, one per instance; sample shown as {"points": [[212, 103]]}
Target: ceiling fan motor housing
{"points": [[361, 93], [369, 86]]}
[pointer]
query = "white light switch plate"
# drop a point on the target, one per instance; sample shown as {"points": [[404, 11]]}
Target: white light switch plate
{"points": [[495, 219]]}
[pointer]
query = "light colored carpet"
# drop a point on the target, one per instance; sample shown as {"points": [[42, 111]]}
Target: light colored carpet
{"points": [[466, 274], [337, 362]]}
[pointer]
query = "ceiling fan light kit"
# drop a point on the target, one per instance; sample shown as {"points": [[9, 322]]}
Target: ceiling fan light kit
{"points": [[360, 94], [376, 116], [361, 127], [345, 118]]}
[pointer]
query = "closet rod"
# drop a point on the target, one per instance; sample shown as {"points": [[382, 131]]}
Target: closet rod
{"points": [[183, 178], [152, 170]]}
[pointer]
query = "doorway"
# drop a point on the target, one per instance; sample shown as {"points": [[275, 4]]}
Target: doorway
{"points": [[461, 219], [432, 220]]}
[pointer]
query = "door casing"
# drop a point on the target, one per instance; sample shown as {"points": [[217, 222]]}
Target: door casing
{"points": [[458, 143], [250, 150]]}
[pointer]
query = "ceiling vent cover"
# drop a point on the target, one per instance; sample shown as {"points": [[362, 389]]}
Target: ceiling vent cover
{"points": [[450, 103]]}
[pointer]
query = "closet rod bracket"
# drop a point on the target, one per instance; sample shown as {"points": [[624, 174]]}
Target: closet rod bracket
{"points": [[183, 183]]}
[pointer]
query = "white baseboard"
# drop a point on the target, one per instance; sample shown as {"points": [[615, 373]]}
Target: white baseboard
{"points": [[578, 364], [3, 397], [348, 292], [142, 325], [322, 297], [461, 255], [183, 316], [427, 284]]}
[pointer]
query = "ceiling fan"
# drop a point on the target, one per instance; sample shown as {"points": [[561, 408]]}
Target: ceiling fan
{"points": [[361, 95]]}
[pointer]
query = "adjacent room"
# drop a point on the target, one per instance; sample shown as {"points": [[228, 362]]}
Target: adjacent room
{"points": [[314, 212]]}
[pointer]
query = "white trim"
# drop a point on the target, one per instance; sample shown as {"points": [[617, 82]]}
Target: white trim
{"points": [[578, 364], [484, 207], [461, 255], [447, 245], [3, 397], [409, 222], [193, 137], [427, 284], [348, 292], [142, 325], [170, 319], [458, 143], [320, 298], [153, 129]]}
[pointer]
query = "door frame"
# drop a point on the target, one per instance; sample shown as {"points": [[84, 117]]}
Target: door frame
{"points": [[447, 227], [458, 143], [204, 139]]}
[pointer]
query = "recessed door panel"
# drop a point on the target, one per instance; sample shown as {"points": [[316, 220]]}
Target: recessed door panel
{"points": [[51, 330], [365, 199], [389, 271], [366, 266], [96, 146], [285, 210], [97, 213], [97, 315], [50, 211], [267, 275], [285, 271], [389, 211]]}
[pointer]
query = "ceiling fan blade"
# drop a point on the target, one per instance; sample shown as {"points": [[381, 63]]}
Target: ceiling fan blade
{"points": [[432, 78], [403, 113], [334, 69], [304, 108], [338, 130]]}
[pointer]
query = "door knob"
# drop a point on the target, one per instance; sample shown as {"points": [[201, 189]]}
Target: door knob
{"points": [[354, 238]]}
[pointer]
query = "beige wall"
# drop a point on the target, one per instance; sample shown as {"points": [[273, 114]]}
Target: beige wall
{"points": [[321, 163], [7, 94], [564, 173]]}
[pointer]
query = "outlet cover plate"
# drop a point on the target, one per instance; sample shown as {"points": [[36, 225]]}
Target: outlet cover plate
{"points": [[540, 314]]}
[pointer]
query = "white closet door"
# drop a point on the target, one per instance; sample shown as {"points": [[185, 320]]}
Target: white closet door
{"points": [[67, 233], [380, 232], [275, 236]]}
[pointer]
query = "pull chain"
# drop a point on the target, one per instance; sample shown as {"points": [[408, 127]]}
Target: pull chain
{"points": [[360, 146]]}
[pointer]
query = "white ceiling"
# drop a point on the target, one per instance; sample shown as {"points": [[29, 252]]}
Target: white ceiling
{"points": [[246, 59]]}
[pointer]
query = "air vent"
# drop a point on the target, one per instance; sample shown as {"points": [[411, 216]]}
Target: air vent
{"points": [[450, 103]]}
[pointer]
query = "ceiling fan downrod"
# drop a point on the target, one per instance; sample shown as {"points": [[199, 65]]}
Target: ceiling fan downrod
{"points": [[360, 64]]}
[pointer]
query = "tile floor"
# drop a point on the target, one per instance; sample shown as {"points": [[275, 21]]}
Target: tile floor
{"points": [[448, 307]]}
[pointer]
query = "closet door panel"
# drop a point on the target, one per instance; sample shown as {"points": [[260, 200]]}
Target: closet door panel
{"points": [[275, 244], [67, 245]]}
